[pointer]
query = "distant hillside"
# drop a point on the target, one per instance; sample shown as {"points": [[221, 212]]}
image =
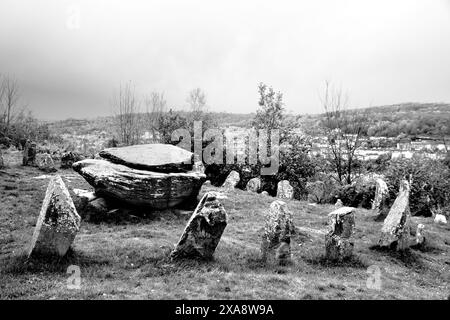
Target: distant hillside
{"points": [[406, 119]]}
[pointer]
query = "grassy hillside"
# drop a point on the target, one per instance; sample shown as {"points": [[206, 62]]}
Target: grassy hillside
{"points": [[127, 255]]}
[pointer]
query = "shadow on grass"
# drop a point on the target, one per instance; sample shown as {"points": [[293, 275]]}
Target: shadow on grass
{"points": [[406, 257], [351, 262], [21, 264]]}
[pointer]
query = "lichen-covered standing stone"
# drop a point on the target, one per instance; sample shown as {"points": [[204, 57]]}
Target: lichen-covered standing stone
{"points": [[339, 241], [381, 195], [46, 164], [232, 180], [278, 230], [285, 190], [395, 230], [203, 230], [254, 185], [58, 222]]}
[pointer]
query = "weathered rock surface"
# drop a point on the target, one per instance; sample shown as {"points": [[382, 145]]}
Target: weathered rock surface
{"points": [[316, 191], [156, 157], [58, 222], [203, 230], [381, 195], [254, 185], [395, 230], [69, 158], [45, 163], [139, 187], [278, 229], [339, 241], [232, 180], [285, 190]]}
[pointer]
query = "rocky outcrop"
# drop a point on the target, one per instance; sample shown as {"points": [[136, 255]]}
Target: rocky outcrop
{"points": [[58, 222], [381, 196], [254, 185], [339, 239], [316, 191], [156, 157], [285, 190], [276, 240], [203, 230], [45, 163], [395, 230], [69, 158], [232, 180], [139, 187]]}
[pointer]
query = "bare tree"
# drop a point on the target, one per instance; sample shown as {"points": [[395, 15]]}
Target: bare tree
{"points": [[9, 98], [344, 129], [155, 108], [126, 108], [197, 102]]}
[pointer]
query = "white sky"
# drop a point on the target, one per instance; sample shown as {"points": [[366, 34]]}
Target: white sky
{"points": [[381, 52]]}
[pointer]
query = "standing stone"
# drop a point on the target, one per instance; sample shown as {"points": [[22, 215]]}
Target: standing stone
{"points": [[278, 230], [46, 164], [254, 185], [420, 235], [339, 239], [285, 190], [203, 230], [2, 163], [395, 230], [58, 221], [25, 151], [316, 191], [338, 204], [232, 180], [381, 195]]}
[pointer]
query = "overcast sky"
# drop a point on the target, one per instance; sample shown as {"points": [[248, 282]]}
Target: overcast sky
{"points": [[69, 56]]}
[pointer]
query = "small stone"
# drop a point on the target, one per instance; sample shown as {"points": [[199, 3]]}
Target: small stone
{"points": [[278, 230], [285, 190], [203, 230], [420, 235], [58, 221], [2, 162], [254, 185], [338, 204], [69, 158], [395, 230], [339, 239], [440, 218], [265, 193], [232, 180]]}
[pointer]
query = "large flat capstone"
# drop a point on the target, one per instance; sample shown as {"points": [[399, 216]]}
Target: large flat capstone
{"points": [[139, 187], [153, 157]]}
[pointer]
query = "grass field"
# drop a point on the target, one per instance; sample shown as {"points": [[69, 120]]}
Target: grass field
{"points": [[127, 255]]}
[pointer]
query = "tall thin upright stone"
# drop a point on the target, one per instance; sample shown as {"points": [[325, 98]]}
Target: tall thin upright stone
{"points": [[396, 226]]}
